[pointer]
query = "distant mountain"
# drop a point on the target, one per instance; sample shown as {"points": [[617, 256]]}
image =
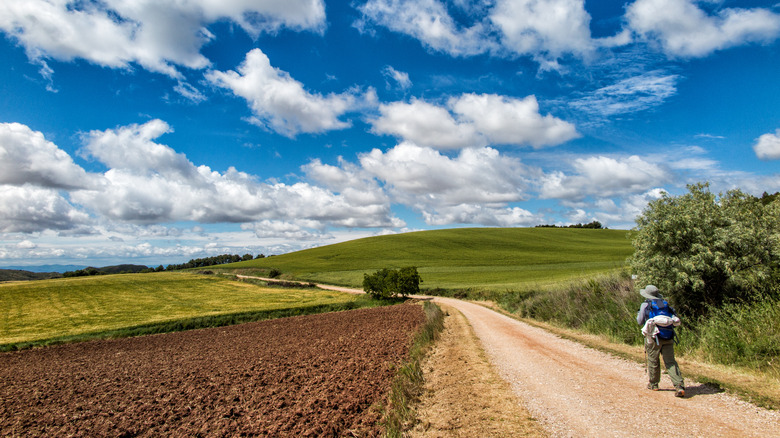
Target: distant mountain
{"points": [[21, 275], [43, 272], [118, 269]]}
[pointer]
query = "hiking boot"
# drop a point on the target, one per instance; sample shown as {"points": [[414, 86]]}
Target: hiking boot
{"points": [[680, 392], [652, 386]]}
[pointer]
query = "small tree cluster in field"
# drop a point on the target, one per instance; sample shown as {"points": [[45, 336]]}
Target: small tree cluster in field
{"points": [[704, 251], [389, 283]]}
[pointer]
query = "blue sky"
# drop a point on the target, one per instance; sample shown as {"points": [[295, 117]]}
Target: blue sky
{"points": [[155, 131]]}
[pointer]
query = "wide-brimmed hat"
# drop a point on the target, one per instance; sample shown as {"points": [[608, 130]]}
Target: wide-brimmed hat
{"points": [[651, 293]]}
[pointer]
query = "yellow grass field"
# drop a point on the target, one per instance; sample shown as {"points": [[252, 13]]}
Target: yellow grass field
{"points": [[60, 308]]}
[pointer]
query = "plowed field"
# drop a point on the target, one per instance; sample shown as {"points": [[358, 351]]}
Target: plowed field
{"points": [[317, 375]]}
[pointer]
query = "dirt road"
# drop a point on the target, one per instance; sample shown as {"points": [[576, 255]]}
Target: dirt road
{"points": [[573, 390], [348, 290], [577, 391]]}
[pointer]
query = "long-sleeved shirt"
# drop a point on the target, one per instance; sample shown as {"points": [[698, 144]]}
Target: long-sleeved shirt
{"points": [[641, 316]]}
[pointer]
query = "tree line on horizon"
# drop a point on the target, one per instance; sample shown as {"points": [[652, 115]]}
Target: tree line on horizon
{"points": [[193, 263], [596, 225]]}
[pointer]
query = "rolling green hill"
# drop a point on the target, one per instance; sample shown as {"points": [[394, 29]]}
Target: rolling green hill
{"points": [[486, 258]]}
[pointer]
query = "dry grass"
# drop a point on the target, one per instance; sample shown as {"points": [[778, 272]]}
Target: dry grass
{"points": [[464, 396]]}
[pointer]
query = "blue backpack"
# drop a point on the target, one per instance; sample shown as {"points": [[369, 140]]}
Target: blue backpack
{"points": [[661, 307]]}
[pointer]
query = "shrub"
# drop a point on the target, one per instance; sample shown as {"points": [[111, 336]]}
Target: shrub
{"points": [[388, 283], [703, 251], [274, 273]]}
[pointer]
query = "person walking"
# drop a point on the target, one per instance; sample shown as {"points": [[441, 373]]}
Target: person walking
{"points": [[658, 320]]}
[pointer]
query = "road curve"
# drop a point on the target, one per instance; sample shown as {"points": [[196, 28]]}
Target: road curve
{"points": [[578, 391]]}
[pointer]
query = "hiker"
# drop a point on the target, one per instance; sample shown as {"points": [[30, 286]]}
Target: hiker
{"points": [[658, 320]]}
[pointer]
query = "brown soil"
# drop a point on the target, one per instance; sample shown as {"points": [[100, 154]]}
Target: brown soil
{"points": [[464, 396], [320, 375]]}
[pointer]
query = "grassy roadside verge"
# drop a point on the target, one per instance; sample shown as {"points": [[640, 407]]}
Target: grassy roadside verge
{"points": [[408, 383]]}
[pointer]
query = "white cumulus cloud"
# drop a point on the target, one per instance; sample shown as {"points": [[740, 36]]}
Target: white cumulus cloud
{"points": [[420, 174], [473, 120], [506, 120], [428, 21], [158, 35], [685, 30], [474, 187], [767, 146], [26, 157], [28, 209], [132, 148], [148, 182], [281, 103], [285, 230], [602, 176], [542, 28], [425, 124], [486, 215]]}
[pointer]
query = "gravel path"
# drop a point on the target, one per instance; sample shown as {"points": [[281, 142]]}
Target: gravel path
{"points": [[577, 391]]}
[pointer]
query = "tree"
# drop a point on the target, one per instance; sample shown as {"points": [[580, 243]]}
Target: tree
{"points": [[407, 282], [704, 250], [387, 283]]}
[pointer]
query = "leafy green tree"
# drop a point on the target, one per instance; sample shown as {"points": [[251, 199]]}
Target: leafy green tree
{"points": [[704, 250], [379, 284], [408, 281], [387, 283], [766, 198]]}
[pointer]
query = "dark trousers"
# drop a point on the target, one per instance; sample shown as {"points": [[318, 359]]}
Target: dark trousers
{"points": [[664, 348]]}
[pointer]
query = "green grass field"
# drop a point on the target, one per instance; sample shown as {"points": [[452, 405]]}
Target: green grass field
{"points": [[466, 258], [72, 307]]}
